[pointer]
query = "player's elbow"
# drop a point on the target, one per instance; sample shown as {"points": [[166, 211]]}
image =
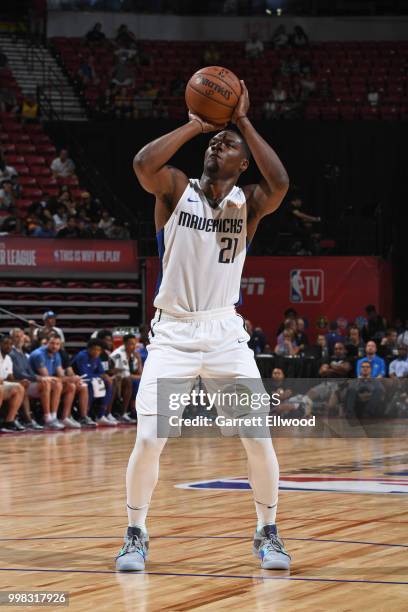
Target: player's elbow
{"points": [[139, 162], [282, 184]]}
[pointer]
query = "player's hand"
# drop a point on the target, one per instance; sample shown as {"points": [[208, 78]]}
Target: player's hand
{"points": [[205, 127], [241, 109]]}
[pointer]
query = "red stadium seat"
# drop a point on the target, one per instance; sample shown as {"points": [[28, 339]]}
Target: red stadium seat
{"points": [[34, 160], [26, 181], [32, 192], [25, 149]]}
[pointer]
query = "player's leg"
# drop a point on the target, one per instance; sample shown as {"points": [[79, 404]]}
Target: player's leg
{"points": [[234, 360]]}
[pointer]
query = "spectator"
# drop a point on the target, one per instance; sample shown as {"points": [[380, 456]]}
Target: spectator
{"points": [[321, 345], [286, 348], [403, 336], [106, 339], [88, 366], [270, 108], [10, 391], [211, 56], [118, 231], [6, 172], [373, 96], [279, 384], [87, 72], [125, 38], [46, 361], [62, 166], [389, 344], [60, 217], [257, 338], [70, 230], [128, 367], [299, 38], [280, 37], [299, 224], [364, 396], [106, 221], [8, 219], [45, 229], [377, 365], [399, 366], [47, 390], [96, 232], [289, 324], [374, 329], [290, 313], [95, 36], [50, 320], [301, 339], [354, 343], [333, 336], [279, 93], [29, 110], [254, 47], [337, 366], [122, 75]]}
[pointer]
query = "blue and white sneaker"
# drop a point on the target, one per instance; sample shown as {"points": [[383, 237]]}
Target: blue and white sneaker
{"points": [[133, 554], [269, 548]]}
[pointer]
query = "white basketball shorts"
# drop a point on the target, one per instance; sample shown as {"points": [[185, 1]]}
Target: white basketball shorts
{"points": [[211, 344]]}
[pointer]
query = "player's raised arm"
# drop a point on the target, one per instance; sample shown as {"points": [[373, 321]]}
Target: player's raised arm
{"points": [[150, 163], [265, 197]]}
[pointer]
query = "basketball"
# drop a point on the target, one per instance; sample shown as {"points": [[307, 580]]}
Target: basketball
{"points": [[212, 93]]}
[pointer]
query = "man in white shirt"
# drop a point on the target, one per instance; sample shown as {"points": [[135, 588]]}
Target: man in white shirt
{"points": [[62, 166], [10, 391], [128, 368], [399, 366], [50, 319]]}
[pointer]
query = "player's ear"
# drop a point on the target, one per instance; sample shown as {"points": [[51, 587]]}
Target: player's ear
{"points": [[244, 164]]}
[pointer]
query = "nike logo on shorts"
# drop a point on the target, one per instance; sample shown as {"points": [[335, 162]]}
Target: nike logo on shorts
{"points": [[241, 341], [190, 200]]}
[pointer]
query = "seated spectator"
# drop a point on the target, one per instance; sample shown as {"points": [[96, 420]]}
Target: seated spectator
{"points": [[46, 361], [125, 38], [50, 326], [399, 366], [87, 72], [128, 368], [6, 172], [337, 366], [325, 398], [321, 345], [301, 339], [389, 344], [279, 385], [290, 313], [10, 391], [280, 37], [118, 231], [95, 36], [8, 216], [287, 348], [299, 38], [254, 47], [377, 365], [106, 221], [95, 231], [364, 396], [46, 229], [211, 55], [373, 96], [374, 329], [354, 344], [403, 335], [333, 336], [289, 324], [70, 230], [60, 217], [123, 75], [87, 365], [46, 389], [257, 338], [30, 110], [62, 166]]}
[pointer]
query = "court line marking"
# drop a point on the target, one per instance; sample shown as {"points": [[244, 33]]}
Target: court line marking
{"points": [[190, 575], [203, 537]]}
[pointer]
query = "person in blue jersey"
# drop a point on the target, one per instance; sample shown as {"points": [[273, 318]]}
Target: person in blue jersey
{"points": [[377, 363], [204, 226]]}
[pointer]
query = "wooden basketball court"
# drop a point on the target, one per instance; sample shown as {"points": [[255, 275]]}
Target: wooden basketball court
{"points": [[62, 507]]}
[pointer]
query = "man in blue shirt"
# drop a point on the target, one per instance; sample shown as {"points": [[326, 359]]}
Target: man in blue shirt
{"points": [[377, 364], [46, 361], [88, 365]]}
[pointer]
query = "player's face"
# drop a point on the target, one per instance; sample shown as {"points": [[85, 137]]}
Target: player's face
{"points": [[225, 155]]}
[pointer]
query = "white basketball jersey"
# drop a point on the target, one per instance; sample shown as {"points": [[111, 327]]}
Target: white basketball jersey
{"points": [[202, 251]]}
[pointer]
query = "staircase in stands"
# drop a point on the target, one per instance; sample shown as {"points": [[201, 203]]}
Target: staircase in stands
{"points": [[34, 65]]}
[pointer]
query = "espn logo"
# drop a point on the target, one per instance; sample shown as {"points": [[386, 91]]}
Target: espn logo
{"points": [[253, 285], [306, 286]]}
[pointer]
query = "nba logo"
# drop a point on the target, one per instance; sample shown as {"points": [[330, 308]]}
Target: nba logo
{"points": [[306, 286]]}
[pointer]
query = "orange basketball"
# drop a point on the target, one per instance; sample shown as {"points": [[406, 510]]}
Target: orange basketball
{"points": [[213, 93]]}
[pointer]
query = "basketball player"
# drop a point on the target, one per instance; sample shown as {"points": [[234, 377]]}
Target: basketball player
{"points": [[204, 226]]}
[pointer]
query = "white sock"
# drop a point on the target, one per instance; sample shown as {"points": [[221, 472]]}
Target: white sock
{"points": [[263, 476], [48, 417], [143, 470], [53, 416]]}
